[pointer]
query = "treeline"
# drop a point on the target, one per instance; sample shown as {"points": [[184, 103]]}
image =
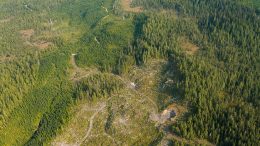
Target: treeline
{"points": [[32, 79], [35, 97], [220, 81], [96, 86], [90, 88]]}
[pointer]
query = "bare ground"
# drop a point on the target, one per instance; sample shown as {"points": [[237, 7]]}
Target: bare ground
{"points": [[80, 73], [77, 132], [42, 44], [27, 33], [126, 5], [7, 58], [105, 8], [188, 47], [121, 104], [91, 122]]}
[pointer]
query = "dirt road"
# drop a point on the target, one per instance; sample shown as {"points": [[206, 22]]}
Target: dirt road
{"points": [[103, 105]]}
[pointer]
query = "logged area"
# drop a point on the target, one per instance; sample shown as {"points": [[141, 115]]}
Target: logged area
{"points": [[129, 72], [126, 5]]}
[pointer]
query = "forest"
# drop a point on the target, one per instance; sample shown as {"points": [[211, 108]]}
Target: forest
{"points": [[58, 58], [221, 82]]}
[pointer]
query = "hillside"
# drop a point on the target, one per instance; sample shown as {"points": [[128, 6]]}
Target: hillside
{"points": [[122, 72]]}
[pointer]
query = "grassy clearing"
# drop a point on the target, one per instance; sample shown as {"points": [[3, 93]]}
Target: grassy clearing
{"points": [[124, 118], [188, 47], [126, 5]]}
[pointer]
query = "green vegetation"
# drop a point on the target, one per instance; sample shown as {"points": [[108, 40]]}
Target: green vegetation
{"points": [[100, 48], [92, 69], [220, 81], [252, 3], [35, 86]]}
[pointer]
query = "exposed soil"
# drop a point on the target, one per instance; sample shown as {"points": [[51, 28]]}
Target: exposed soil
{"points": [[27, 34], [6, 58], [170, 121], [178, 109], [105, 17], [95, 121], [126, 5], [105, 8], [42, 44], [80, 73], [91, 122], [169, 114], [188, 47], [96, 40], [85, 115]]}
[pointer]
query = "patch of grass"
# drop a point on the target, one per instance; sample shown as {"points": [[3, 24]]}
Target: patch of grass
{"points": [[125, 120], [251, 3]]}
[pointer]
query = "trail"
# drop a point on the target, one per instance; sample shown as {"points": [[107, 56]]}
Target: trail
{"points": [[145, 96], [105, 8], [79, 73], [73, 62], [105, 17], [128, 83], [96, 40], [91, 123], [147, 93], [28, 7], [165, 127], [189, 142]]}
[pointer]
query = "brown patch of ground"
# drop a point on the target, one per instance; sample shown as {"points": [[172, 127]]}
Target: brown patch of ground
{"points": [[169, 115], [178, 109], [80, 73], [126, 5], [80, 127], [27, 34], [115, 120], [91, 123], [6, 58], [42, 44], [188, 47]]}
